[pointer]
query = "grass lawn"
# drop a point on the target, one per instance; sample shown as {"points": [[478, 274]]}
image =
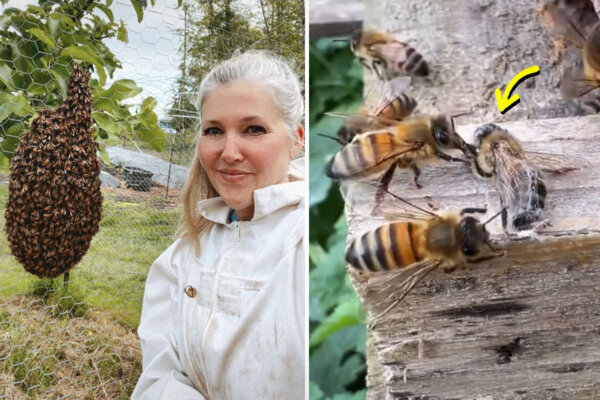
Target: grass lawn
{"points": [[80, 342], [110, 277]]}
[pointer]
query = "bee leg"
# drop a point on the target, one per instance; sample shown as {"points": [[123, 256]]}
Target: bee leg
{"points": [[500, 253], [377, 64], [481, 172], [448, 157], [382, 186], [364, 63], [417, 173]]}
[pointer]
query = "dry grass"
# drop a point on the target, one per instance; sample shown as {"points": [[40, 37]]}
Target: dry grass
{"points": [[80, 344], [49, 355]]}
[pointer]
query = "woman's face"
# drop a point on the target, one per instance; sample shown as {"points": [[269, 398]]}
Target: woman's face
{"points": [[243, 144]]}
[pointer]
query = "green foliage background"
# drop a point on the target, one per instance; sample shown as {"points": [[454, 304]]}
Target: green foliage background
{"points": [[38, 46], [214, 30], [337, 328]]}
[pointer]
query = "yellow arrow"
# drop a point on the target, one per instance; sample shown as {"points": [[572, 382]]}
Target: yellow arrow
{"points": [[505, 101]]}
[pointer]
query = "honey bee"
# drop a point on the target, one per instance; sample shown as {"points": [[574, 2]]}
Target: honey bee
{"points": [[516, 174], [570, 20], [387, 56], [393, 105], [420, 242], [577, 23], [404, 144]]}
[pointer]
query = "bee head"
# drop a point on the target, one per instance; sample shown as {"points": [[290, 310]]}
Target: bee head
{"points": [[445, 135], [474, 235], [484, 131]]}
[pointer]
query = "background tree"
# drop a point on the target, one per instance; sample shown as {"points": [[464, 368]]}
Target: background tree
{"points": [[213, 30]]}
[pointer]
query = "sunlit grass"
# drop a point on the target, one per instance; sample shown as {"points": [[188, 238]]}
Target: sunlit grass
{"points": [[111, 275]]}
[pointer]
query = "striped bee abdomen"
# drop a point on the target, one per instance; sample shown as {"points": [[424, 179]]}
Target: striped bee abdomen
{"points": [[391, 246], [362, 156], [414, 64]]}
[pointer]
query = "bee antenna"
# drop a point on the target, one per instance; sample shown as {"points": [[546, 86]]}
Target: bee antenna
{"points": [[576, 30], [456, 116], [341, 40], [491, 219], [409, 203], [331, 137]]}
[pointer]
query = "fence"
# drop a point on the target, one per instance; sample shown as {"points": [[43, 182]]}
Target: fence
{"points": [[78, 340]]}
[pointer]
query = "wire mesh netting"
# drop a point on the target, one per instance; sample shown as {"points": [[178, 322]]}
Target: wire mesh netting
{"points": [[73, 337]]}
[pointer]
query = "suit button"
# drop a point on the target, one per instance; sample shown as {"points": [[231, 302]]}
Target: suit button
{"points": [[191, 291]]}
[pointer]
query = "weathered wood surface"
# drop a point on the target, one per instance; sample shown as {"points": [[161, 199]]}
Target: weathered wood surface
{"points": [[526, 326], [473, 47]]}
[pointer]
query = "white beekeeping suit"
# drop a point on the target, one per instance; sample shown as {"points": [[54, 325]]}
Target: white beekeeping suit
{"points": [[230, 324]]}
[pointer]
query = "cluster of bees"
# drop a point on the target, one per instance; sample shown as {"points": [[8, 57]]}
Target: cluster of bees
{"points": [[55, 205], [385, 136]]}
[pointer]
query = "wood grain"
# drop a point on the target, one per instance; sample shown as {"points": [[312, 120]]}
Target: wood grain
{"points": [[526, 326]]}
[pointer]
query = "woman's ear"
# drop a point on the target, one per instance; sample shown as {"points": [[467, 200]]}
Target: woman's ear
{"points": [[298, 141]]}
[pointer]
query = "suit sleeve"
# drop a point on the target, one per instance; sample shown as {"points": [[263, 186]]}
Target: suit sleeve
{"points": [[162, 376]]}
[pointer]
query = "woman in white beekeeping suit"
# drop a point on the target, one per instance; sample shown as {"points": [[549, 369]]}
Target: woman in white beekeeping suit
{"points": [[223, 315]]}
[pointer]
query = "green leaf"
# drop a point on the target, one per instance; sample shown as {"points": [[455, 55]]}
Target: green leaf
{"points": [[148, 104], [315, 393], [120, 90], [84, 53], [107, 11], [104, 154], [11, 141], [139, 9], [360, 395], [328, 279], [149, 119], [339, 361], [41, 35], [347, 313], [36, 10], [107, 122], [4, 161], [122, 33], [154, 136], [16, 104], [61, 79], [6, 76]]}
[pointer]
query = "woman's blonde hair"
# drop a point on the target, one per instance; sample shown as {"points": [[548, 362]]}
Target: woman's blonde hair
{"points": [[256, 66]]}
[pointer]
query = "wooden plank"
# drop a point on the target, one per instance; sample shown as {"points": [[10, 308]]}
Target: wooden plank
{"points": [[524, 326]]}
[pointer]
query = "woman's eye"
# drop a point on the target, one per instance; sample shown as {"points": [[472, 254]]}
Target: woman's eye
{"points": [[256, 130], [212, 131]]}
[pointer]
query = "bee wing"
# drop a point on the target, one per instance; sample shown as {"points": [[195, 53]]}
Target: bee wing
{"points": [[555, 163], [385, 90], [356, 193], [394, 91], [367, 121], [398, 284], [574, 84], [512, 175]]}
